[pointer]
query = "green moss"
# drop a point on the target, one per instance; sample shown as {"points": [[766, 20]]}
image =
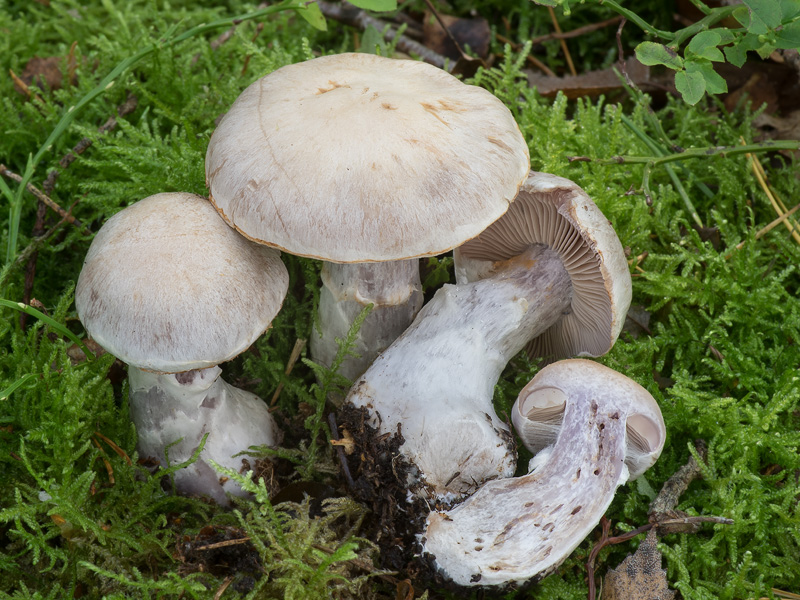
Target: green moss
{"points": [[722, 355]]}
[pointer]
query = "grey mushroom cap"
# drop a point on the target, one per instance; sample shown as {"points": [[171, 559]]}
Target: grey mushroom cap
{"points": [[520, 529], [167, 286], [360, 158], [555, 211]]}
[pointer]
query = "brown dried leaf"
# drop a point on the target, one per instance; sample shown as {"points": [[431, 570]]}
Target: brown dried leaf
{"points": [[45, 73], [594, 83], [640, 576], [474, 33]]}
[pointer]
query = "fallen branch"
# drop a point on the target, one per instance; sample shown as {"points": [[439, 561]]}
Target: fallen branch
{"points": [[355, 17], [40, 195]]}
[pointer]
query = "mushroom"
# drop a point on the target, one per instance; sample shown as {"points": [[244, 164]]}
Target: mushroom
{"points": [[514, 530], [358, 160], [550, 274], [170, 289]]}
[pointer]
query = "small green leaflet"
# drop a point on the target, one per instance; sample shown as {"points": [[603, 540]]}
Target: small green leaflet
{"points": [[313, 16], [651, 53], [375, 5]]}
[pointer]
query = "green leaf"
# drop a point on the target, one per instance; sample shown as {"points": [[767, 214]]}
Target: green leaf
{"points": [[726, 36], [372, 41], [375, 5], [789, 36], [736, 55], [313, 16], [691, 86], [704, 45], [651, 53], [763, 15], [703, 40], [765, 50], [789, 9], [714, 83]]}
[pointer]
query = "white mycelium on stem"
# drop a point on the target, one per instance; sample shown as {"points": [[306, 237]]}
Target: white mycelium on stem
{"points": [[552, 263], [436, 381], [167, 407], [173, 291], [514, 530], [360, 159]]}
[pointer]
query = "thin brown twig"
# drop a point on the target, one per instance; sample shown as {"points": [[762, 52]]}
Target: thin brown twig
{"points": [[446, 29], [223, 587], [299, 344], [30, 249], [224, 544], [120, 452], [576, 32], [340, 452], [777, 203], [621, 54], [25, 88], [563, 42], [30, 267], [40, 195]]}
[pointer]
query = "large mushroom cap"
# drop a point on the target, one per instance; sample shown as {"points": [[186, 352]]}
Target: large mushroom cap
{"points": [[359, 158], [554, 211], [167, 286]]}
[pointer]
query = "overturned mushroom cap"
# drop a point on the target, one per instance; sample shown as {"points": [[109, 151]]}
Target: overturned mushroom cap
{"points": [[514, 530], [556, 212], [167, 286], [359, 158]]}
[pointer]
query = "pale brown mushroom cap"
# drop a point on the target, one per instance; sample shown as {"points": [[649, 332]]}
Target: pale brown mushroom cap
{"points": [[359, 158], [554, 211], [167, 286]]}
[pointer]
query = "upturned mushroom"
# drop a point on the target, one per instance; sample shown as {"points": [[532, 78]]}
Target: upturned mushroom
{"points": [[609, 430], [363, 161], [170, 289], [551, 270]]}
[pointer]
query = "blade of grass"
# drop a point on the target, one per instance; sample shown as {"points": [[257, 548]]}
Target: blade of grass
{"points": [[29, 310], [168, 40]]}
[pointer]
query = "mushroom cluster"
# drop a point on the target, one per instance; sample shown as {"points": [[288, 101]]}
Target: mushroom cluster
{"points": [[369, 163], [551, 275]]}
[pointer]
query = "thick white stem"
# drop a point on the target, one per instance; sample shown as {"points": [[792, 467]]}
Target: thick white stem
{"points": [[168, 407], [515, 529], [395, 291], [437, 380]]}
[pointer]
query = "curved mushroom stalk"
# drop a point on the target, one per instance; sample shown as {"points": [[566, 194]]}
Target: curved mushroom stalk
{"points": [[436, 381], [168, 407], [514, 530], [395, 291]]}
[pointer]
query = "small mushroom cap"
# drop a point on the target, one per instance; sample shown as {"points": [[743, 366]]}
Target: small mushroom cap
{"points": [[538, 412], [518, 529], [554, 211], [359, 158], [167, 286]]}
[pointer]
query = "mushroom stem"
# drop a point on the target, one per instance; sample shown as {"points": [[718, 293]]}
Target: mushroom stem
{"points": [[167, 407], [394, 290], [513, 530], [437, 380]]}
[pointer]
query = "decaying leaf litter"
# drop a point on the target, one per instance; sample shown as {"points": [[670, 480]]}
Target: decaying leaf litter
{"points": [[716, 337]]}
